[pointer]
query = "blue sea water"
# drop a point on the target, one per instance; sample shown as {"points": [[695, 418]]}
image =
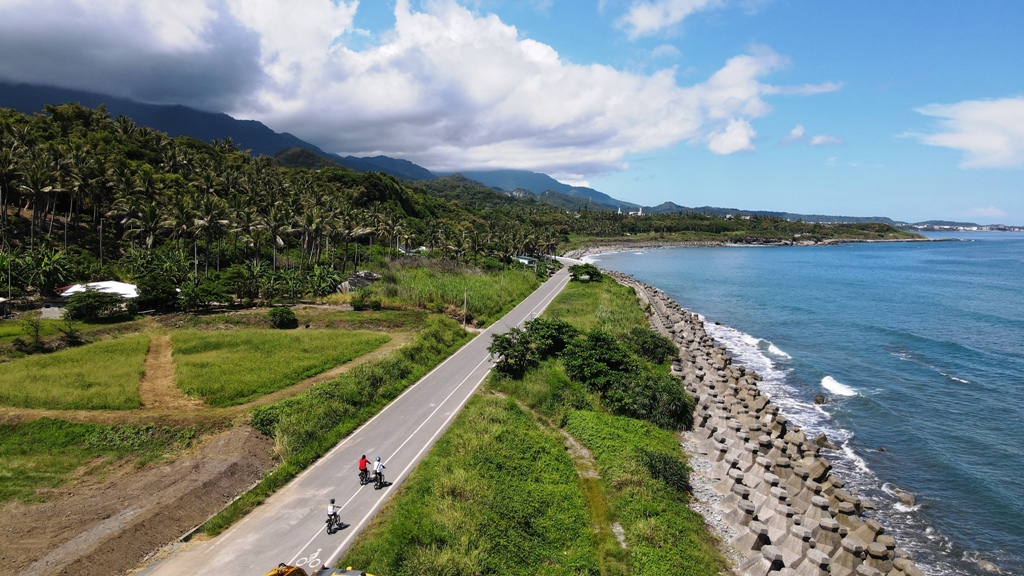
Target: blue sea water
{"points": [[918, 349]]}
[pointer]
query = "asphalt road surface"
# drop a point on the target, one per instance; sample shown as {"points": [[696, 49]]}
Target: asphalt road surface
{"points": [[290, 526]]}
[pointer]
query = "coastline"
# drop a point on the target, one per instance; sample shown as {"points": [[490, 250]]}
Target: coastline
{"points": [[765, 490], [616, 247]]}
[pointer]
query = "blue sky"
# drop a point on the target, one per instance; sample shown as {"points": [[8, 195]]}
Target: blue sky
{"points": [[911, 109]]}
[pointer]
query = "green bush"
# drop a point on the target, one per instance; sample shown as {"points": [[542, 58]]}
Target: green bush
{"points": [[595, 358], [361, 302], [514, 353], [658, 398], [668, 468], [650, 345], [283, 317], [549, 337], [588, 272], [95, 305]]}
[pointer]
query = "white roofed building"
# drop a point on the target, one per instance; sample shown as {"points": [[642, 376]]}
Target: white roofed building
{"points": [[121, 288]]}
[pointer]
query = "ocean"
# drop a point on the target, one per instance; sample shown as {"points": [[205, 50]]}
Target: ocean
{"points": [[918, 350]]}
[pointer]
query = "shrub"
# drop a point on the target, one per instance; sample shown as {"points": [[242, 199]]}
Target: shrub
{"points": [[156, 291], [361, 302], [283, 317], [650, 345], [550, 337], [594, 358], [657, 398], [95, 305], [668, 468], [588, 272], [514, 352]]}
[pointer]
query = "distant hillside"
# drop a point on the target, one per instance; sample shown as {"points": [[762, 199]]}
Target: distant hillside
{"points": [[538, 183], [174, 120], [462, 189], [206, 126], [572, 203], [393, 166], [303, 158]]}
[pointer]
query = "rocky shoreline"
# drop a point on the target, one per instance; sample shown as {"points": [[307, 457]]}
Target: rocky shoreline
{"points": [[764, 488]]}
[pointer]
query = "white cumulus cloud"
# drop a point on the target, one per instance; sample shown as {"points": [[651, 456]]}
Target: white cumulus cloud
{"points": [[737, 136], [448, 87], [825, 140], [990, 133], [648, 17]]}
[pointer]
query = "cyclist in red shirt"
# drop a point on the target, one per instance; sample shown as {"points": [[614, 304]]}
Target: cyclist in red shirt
{"points": [[363, 472]]}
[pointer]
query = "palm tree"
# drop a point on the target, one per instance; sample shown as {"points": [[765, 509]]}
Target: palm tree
{"points": [[39, 176], [278, 223], [210, 220], [147, 223], [9, 172]]}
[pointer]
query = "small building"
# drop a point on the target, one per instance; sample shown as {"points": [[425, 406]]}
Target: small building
{"points": [[122, 289], [527, 261]]}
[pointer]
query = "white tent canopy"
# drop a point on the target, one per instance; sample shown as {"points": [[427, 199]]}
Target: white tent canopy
{"points": [[120, 288]]}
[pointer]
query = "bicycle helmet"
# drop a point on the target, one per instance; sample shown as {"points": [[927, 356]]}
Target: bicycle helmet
{"points": [[378, 458], [332, 500]]}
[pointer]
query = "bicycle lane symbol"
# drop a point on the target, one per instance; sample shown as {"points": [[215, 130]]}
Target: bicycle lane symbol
{"points": [[312, 560]]}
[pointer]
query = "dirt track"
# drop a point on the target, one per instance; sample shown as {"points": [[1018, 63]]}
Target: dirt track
{"points": [[102, 525]]}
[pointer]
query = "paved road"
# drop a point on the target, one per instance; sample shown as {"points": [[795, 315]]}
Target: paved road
{"points": [[289, 527]]}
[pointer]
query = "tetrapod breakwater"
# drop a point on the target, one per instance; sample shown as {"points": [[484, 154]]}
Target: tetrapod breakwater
{"points": [[773, 496]]}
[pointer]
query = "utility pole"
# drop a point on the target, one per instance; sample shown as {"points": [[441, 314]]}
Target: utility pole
{"points": [[465, 304]]}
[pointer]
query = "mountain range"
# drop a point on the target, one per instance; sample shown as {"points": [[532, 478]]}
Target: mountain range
{"points": [[290, 150]]}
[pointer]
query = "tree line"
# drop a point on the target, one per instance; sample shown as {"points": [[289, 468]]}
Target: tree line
{"points": [[87, 197]]}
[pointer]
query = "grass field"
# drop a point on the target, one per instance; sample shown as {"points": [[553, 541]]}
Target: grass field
{"points": [[664, 535], [485, 296], [102, 375], [231, 367], [607, 305], [43, 453], [496, 495]]}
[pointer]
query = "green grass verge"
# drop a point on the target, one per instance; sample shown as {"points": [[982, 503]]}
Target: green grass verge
{"points": [[496, 495], [43, 454], [664, 535], [607, 305], [486, 296], [102, 375], [233, 367]]}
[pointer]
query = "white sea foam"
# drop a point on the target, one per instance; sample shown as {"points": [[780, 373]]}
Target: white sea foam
{"points": [[836, 387], [955, 379], [815, 419], [772, 348], [747, 350]]}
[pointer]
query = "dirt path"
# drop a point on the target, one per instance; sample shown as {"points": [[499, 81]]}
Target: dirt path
{"points": [[158, 389]]}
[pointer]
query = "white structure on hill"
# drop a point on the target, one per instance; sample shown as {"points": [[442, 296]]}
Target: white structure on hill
{"points": [[120, 288]]}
